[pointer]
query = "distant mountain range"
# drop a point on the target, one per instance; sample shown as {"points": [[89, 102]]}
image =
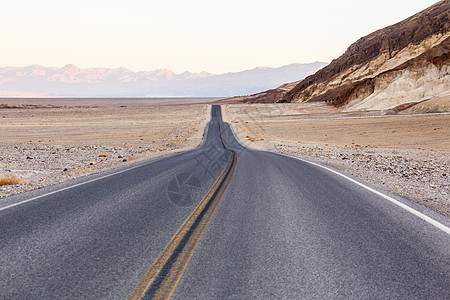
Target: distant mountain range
{"points": [[396, 67], [71, 81]]}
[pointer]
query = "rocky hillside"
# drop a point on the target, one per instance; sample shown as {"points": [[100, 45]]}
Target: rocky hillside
{"points": [[404, 63]]}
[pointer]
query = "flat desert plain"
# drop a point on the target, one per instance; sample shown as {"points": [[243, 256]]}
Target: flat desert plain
{"points": [[405, 154], [102, 102], [47, 145]]}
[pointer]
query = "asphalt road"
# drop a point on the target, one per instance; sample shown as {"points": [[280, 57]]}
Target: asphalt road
{"points": [[284, 228]]}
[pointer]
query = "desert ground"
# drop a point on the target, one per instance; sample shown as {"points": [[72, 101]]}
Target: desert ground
{"points": [[42, 145], [404, 154], [101, 102]]}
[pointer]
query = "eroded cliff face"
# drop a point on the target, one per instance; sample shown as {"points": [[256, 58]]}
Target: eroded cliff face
{"points": [[403, 63], [415, 80]]}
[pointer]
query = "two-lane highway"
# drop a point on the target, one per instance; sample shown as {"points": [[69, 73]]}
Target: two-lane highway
{"points": [[284, 228], [97, 240]]}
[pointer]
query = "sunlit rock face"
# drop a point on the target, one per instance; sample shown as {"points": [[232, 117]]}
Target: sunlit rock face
{"points": [[403, 63]]}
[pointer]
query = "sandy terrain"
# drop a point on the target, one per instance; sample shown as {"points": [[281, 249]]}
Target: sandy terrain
{"points": [[44, 146], [407, 154], [437, 104], [102, 102]]}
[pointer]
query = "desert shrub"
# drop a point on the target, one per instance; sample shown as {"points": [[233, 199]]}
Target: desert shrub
{"points": [[9, 179]]}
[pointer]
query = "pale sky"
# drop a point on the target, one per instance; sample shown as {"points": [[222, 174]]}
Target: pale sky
{"points": [[189, 35]]}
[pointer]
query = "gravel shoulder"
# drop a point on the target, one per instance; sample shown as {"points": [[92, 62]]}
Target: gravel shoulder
{"points": [[406, 155], [48, 145]]}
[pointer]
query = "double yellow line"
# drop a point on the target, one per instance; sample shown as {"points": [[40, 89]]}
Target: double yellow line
{"points": [[161, 279]]}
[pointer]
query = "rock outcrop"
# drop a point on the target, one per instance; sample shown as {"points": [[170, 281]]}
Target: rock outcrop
{"points": [[403, 63]]}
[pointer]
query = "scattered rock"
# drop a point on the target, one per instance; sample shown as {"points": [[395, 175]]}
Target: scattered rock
{"points": [[419, 175]]}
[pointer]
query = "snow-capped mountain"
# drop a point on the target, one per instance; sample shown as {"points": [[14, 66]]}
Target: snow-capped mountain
{"points": [[72, 81]]}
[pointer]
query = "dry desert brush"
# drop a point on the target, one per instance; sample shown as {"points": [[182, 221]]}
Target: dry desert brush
{"points": [[9, 179]]}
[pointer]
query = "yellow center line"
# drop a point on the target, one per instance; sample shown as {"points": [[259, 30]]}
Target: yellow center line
{"points": [[161, 279]]}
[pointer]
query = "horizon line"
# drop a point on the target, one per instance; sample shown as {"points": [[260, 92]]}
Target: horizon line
{"points": [[159, 69]]}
